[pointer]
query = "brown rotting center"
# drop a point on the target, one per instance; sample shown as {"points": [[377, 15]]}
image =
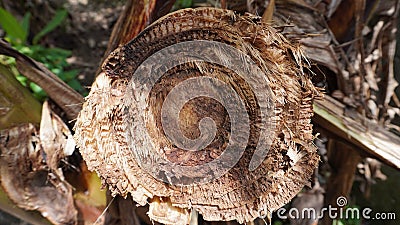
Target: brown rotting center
{"points": [[198, 108]]}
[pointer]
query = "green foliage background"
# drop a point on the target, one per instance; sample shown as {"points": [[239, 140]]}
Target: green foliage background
{"points": [[55, 59]]}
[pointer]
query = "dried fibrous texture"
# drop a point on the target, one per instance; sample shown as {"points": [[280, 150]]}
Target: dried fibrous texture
{"points": [[55, 139], [28, 180], [112, 142]]}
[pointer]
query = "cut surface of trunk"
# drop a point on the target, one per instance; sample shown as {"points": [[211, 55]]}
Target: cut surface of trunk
{"points": [[123, 133]]}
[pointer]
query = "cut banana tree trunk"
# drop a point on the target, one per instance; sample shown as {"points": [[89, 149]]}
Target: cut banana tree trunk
{"points": [[204, 110]]}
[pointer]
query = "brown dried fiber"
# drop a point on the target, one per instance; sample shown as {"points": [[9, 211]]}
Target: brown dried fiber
{"points": [[242, 195]]}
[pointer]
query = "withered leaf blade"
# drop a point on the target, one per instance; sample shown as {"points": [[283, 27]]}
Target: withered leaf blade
{"points": [[269, 12], [55, 138], [27, 179]]}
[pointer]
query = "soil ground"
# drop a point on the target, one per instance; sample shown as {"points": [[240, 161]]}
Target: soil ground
{"points": [[87, 32]]}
